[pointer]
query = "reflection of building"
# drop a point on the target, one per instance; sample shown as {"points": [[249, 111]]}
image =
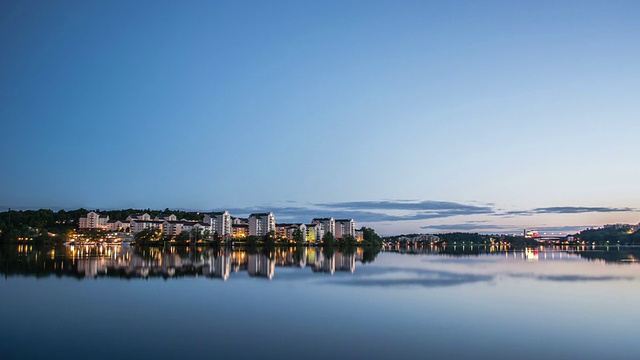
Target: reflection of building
{"points": [[260, 265], [93, 220], [218, 267], [531, 254], [345, 227], [261, 223], [324, 264], [345, 262]]}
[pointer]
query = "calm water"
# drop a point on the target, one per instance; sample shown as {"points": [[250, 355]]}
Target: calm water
{"points": [[115, 302]]}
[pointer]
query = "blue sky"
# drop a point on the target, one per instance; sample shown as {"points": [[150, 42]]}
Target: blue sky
{"points": [[383, 111]]}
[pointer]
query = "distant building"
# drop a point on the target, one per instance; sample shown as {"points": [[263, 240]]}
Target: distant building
{"points": [[144, 216], [93, 220], [261, 223], [220, 222], [117, 225], [166, 217], [359, 235], [345, 227]]}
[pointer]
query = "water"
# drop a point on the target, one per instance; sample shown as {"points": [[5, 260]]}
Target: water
{"points": [[454, 303]]}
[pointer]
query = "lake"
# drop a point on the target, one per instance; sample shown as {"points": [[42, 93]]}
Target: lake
{"points": [[110, 302]]}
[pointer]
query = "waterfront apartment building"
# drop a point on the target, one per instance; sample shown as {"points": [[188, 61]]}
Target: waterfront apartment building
{"points": [[287, 230], [239, 231], [261, 223], [117, 225], [345, 227], [140, 225], [313, 233], [93, 220], [326, 225], [220, 222]]}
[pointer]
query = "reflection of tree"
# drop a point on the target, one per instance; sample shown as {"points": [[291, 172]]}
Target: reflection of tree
{"points": [[369, 254]]}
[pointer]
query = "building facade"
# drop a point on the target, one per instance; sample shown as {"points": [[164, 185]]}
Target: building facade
{"points": [[220, 222], [345, 227], [93, 220], [261, 223]]}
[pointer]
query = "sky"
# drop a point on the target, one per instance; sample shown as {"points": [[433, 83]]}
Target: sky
{"points": [[408, 116]]}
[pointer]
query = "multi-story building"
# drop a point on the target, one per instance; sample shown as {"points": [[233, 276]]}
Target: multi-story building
{"points": [[140, 225], [287, 230], [359, 235], [313, 233], [326, 225], [172, 228], [239, 231], [261, 223], [117, 225], [93, 220], [220, 222], [144, 216], [166, 217], [345, 227]]}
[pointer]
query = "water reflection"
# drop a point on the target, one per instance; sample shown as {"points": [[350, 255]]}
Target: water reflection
{"points": [[170, 262], [220, 263]]}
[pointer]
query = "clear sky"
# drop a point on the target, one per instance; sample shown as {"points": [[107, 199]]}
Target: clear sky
{"points": [[409, 116]]}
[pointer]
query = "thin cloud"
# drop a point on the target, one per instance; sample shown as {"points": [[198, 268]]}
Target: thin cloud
{"points": [[569, 210]]}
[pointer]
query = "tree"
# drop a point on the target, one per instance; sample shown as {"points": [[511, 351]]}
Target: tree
{"points": [[328, 239], [148, 236], [348, 240], [370, 238], [183, 236], [270, 237], [298, 236]]}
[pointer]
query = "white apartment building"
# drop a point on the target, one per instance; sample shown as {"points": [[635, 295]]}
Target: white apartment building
{"points": [[313, 233], [172, 228], [139, 225], [117, 225], [93, 220], [220, 222], [326, 225], [165, 217], [287, 230], [144, 216], [345, 227], [261, 223]]}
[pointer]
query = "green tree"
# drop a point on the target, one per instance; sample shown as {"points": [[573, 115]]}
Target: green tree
{"points": [[328, 239], [298, 236], [370, 238], [348, 240], [148, 236]]}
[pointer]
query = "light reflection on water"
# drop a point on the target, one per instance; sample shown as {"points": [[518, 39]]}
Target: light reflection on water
{"points": [[316, 303]]}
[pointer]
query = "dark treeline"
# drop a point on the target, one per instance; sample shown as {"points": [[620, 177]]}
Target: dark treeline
{"points": [[612, 234]]}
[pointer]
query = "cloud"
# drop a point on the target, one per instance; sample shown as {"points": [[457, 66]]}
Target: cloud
{"points": [[372, 211], [569, 210], [467, 226], [427, 205]]}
